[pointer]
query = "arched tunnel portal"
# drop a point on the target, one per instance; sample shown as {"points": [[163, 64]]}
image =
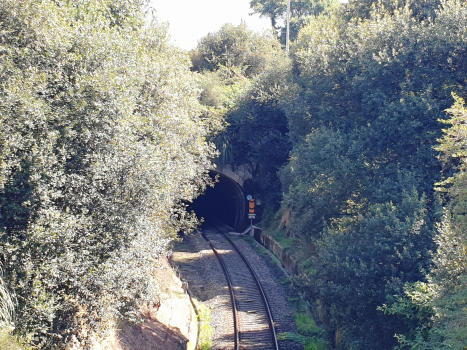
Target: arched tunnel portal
{"points": [[225, 202]]}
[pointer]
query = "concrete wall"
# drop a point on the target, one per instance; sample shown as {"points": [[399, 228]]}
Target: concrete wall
{"points": [[274, 246]]}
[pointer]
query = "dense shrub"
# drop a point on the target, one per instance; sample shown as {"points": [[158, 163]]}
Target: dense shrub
{"points": [[244, 76], [359, 184], [236, 46], [439, 303], [100, 145]]}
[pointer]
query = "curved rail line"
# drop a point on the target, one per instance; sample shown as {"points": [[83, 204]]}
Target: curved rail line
{"points": [[245, 293]]}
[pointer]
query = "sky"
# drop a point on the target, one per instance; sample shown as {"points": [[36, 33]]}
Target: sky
{"points": [[190, 20]]}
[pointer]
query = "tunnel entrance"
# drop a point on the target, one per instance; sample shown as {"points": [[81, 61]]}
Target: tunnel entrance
{"points": [[224, 202]]}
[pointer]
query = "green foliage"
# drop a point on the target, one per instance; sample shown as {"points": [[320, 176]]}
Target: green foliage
{"points": [[363, 118], [236, 46], [220, 91], [306, 325], [449, 276], [309, 334], [9, 342], [453, 153], [309, 343], [7, 318], [100, 145], [206, 330], [421, 9], [444, 297], [440, 304], [315, 344], [368, 258], [257, 132], [7, 308], [244, 76], [302, 12], [321, 178], [414, 304]]}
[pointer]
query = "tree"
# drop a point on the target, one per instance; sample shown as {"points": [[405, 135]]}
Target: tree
{"points": [[243, 78], [362, 259], [421, 9], [440, 303], [235, 46], [453, 154], [302, 11], [363, 118], [258, 131], [100, 146], [228, 61]]}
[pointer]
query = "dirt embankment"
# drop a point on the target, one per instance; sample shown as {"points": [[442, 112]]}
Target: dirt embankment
{"points": [[172, 325]]}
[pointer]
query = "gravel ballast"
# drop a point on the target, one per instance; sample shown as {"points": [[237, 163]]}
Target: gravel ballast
{"points": [[200, 269]]}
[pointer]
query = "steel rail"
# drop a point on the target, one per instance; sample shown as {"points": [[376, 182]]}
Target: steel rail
{"points": [[260, 288], [232, 296]]}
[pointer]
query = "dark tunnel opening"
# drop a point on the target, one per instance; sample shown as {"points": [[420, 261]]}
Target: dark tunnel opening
{"points": [[225, 202]]}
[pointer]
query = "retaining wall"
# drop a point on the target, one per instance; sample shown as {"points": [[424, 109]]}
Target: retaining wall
{"points": [[289, 263]]}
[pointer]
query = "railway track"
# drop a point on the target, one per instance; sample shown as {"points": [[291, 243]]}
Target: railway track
{"points": [[253, 323]]}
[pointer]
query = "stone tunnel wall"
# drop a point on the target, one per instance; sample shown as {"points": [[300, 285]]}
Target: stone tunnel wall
{"points": [[243, 176], [226, 201], [240, 174]]}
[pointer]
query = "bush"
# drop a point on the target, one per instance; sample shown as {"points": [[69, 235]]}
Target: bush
{"points": [[100, 146]]}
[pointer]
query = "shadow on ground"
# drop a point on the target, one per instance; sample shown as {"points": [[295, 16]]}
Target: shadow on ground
{"points": [[151, 335]]}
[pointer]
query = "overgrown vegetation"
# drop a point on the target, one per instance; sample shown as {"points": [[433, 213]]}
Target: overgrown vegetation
{"points": [[350, 131], [206, 330], [312, 337], [440, 303], [242, 75], [7, 341], [359, 184], [309, 334], [101, 144], [7, 317]]}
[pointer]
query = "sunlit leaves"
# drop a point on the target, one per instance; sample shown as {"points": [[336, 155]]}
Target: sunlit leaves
{"points": [[364, 118], [100, 145]]}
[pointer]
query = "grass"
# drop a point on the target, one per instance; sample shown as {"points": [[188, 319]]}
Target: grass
{"points": [[10, 342], [206, 330], [315, 344], [309, 343], [286, 243], [7, 307], [7, 314], [279, 236], [312, 337], [306, 325]]}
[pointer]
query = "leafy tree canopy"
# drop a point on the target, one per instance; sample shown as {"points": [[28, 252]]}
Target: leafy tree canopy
{"points": [[236, 46], [421, 9], [100, 143], [363, 118], [243, 77], [440, 303], [302, 11]]}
